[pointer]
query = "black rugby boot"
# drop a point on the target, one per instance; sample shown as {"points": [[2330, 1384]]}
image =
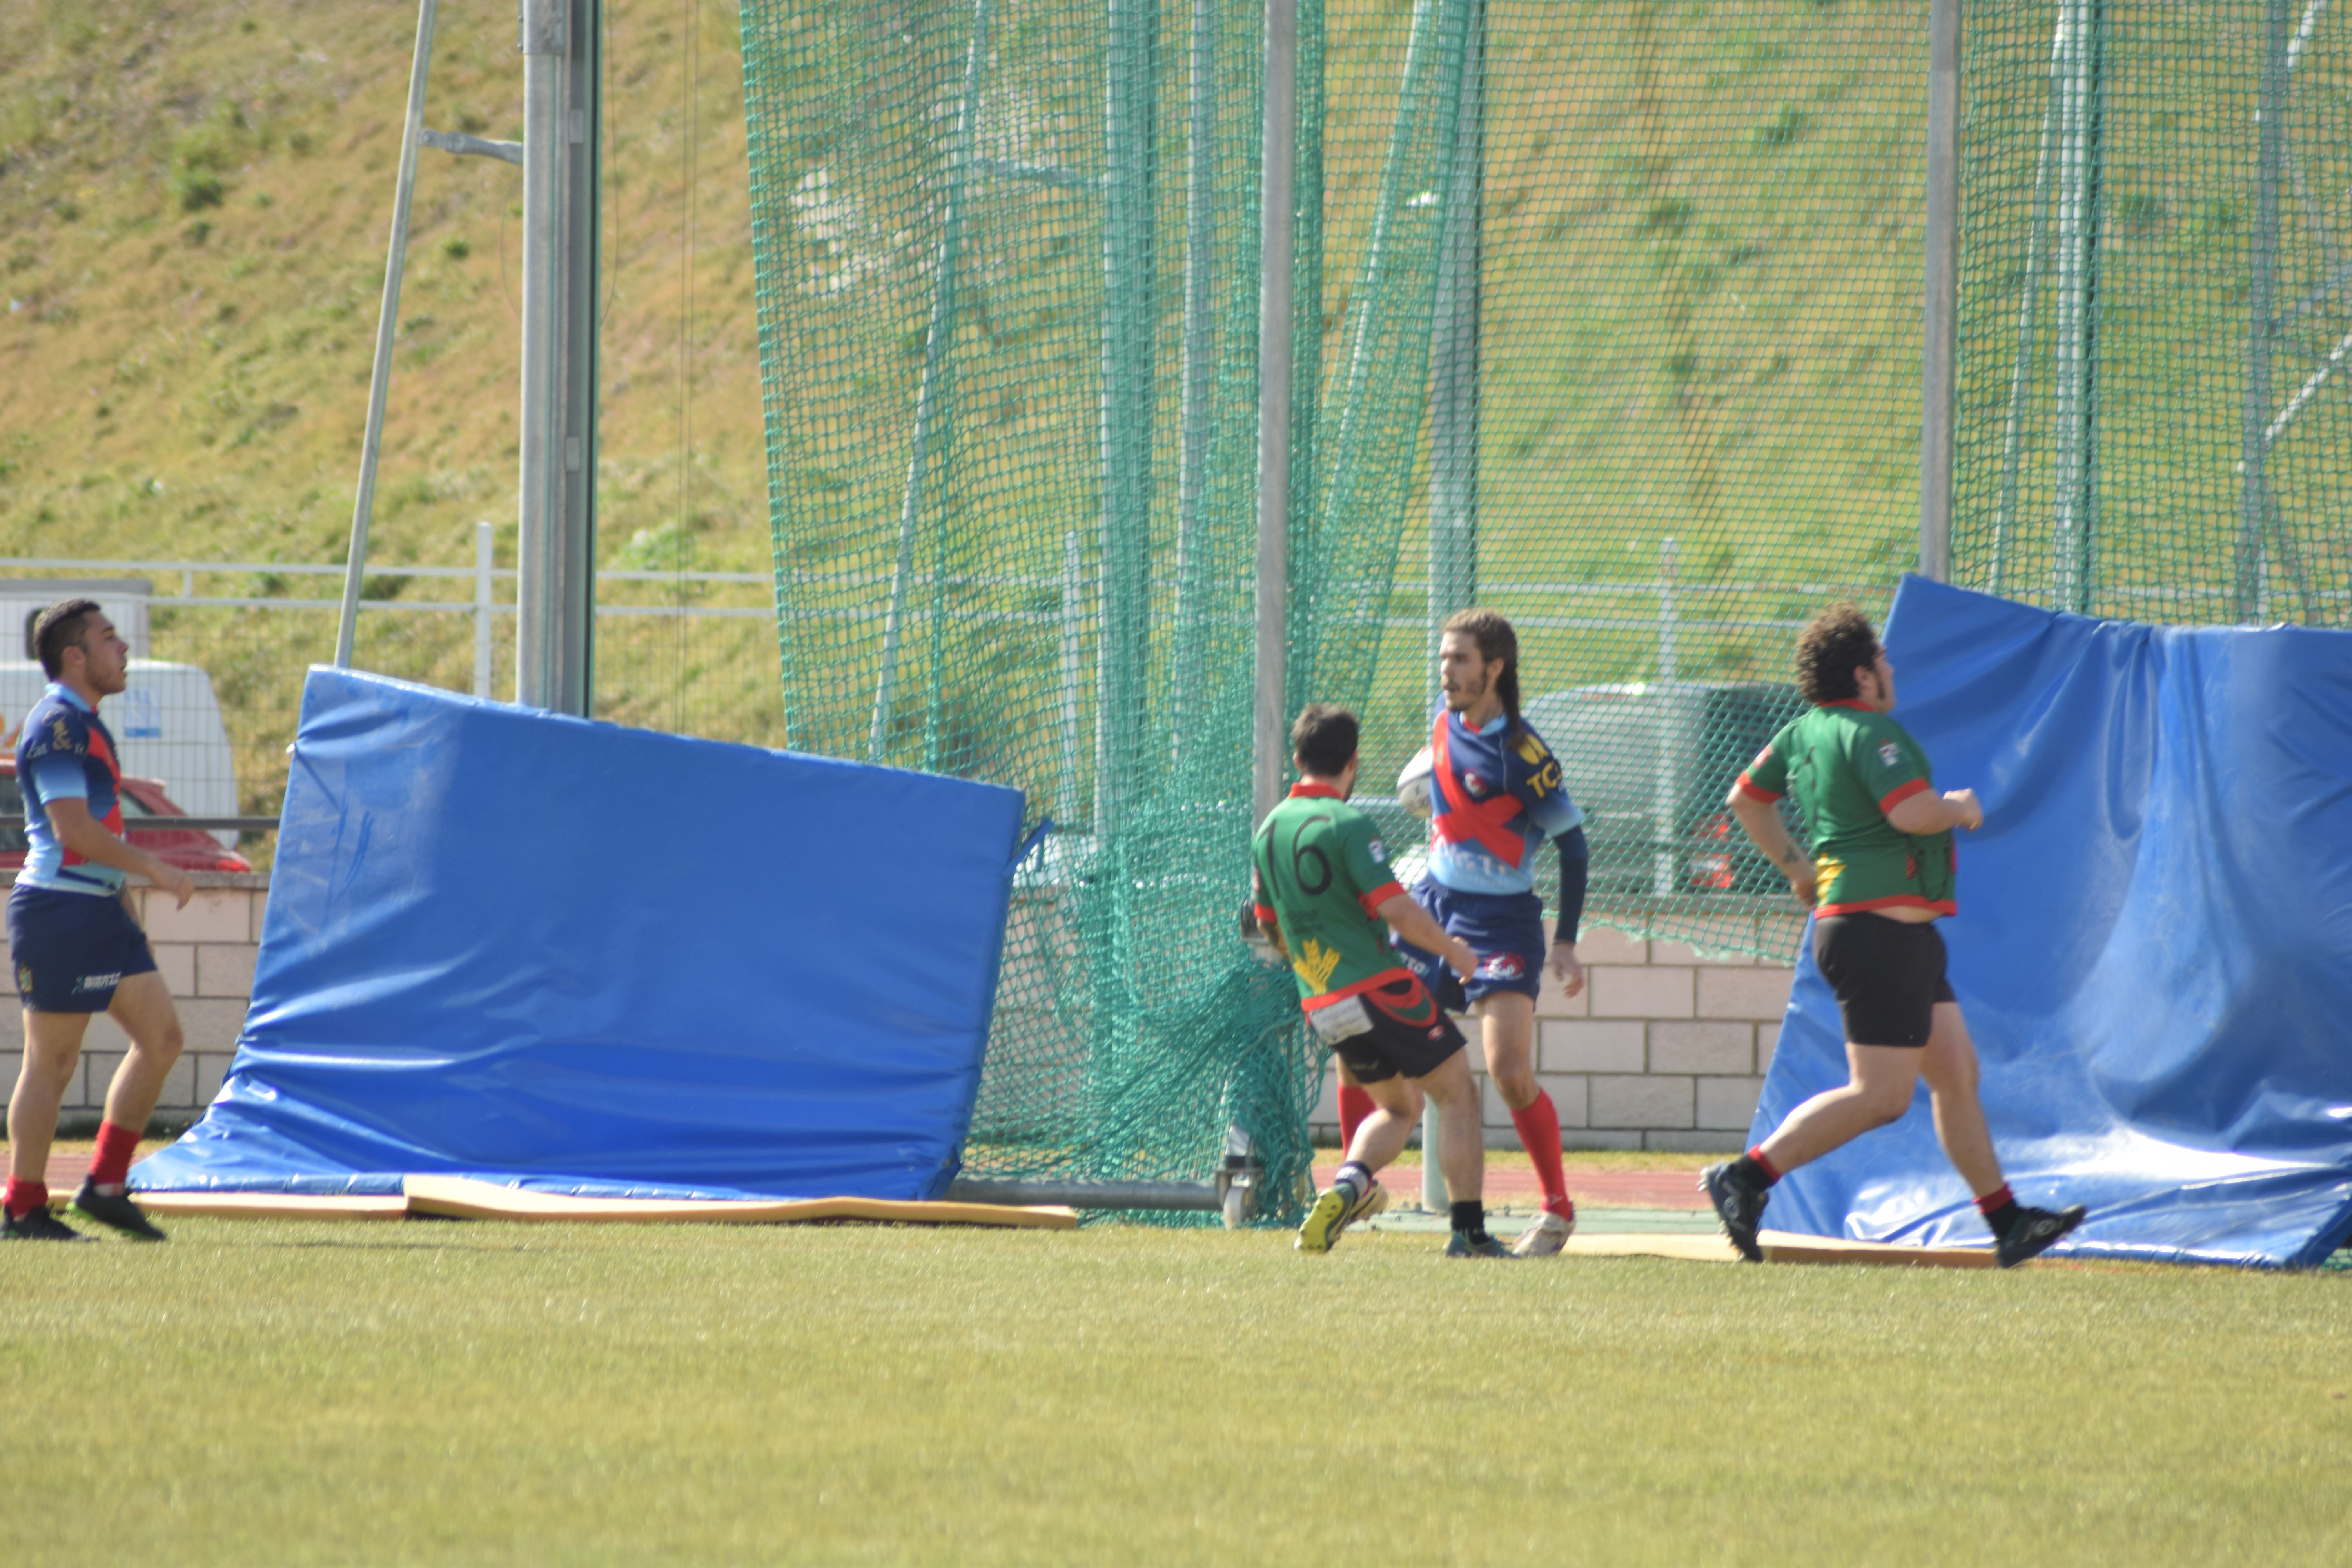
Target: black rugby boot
{"points": [[2033, 1232], [1740, 1202]]}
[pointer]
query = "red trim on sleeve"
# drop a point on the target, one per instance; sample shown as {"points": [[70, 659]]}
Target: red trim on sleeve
{"points": [[1378, 896], [1753, 790], [1900, 793], [1264, 913]]}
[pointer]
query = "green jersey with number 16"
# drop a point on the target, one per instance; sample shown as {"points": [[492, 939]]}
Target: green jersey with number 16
{"points": [[1318, 872]]}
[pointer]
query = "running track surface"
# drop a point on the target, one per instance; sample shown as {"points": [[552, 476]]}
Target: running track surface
{"points": [[1505, 1185]]}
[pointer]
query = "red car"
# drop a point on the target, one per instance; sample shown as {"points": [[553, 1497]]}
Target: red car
{"points": [[143, 801]]}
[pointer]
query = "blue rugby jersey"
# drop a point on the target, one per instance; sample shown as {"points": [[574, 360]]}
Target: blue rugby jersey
{"points": [[1496, 794], [66, 753]]}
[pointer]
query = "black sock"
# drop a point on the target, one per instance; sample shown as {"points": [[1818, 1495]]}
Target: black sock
{"points": [[2002, 1214], [1751, 1171], [1470, 1218]]}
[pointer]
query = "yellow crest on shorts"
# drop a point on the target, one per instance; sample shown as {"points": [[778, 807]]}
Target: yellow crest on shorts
{"points": [[1315, 963]]}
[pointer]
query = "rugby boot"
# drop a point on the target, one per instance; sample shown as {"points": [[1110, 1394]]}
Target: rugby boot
{"points": [[1375, 1201], [1463, 1244], [116, 1209], [2033, 1232], [1546, 1237], [1738, 1203], [1328, 1218], [38, 1224]]}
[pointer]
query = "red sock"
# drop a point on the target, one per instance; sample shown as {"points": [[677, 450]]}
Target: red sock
{"points": [[1355, 1105], [1994, 1199], [1771, 1171], [1538, 1125], [23, 1197], [111, 1163]]}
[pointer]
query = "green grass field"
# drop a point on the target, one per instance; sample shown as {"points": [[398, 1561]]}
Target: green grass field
{"points": [[408, 1393]]}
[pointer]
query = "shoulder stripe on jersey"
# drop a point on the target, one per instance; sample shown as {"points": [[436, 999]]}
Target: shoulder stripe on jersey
{"points": [[1900, 793]]}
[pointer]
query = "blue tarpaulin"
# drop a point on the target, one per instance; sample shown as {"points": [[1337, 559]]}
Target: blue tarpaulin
{"points": [[584, 959], [2154, 947]]}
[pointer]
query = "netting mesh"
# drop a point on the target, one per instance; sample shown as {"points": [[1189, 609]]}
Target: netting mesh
{"points": [[2152, 422], [1609, 317]]}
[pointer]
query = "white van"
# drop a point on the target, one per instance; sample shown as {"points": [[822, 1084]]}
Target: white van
{"points": [[167, 722]]}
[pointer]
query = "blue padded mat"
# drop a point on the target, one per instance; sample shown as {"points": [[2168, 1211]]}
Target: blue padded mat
{"points": [[2154, 947], [554, 953]]}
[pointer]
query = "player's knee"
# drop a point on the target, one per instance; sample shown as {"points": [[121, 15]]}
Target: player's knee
{"points": [[1519, 1088], [164, 1044], [1884, 1103]]}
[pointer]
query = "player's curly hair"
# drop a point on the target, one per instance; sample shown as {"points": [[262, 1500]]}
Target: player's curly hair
{"points": [[1323, 741], [1495, 639], [1834, 645]]}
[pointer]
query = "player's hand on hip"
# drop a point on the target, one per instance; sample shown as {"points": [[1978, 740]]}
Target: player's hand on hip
{"points": [[1460, 957], [1969, 810], [1806, 883], [1567, 968]]}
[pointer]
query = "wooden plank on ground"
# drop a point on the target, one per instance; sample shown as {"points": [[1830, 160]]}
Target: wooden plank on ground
{"points": [[277, 1205], [1785, 1246], [460, 1197], [1685, 1247]]}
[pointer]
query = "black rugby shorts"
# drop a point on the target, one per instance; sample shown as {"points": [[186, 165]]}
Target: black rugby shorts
{"points": [[1390, 1029], [1887, 974]]}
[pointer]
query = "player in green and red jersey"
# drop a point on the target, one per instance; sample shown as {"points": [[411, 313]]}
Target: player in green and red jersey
{"points": [[1880, 872], [1325, 898]]}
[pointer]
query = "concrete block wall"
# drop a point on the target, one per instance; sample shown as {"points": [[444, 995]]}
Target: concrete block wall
{"points": [[1664, 1050], [206, 954]]}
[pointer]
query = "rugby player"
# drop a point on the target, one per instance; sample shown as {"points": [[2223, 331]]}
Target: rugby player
{"points": [[1496, 794], [1325, 899], [77, 947], [1880, 872]]}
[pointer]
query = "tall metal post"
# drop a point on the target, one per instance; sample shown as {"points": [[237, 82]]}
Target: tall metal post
{"points": [[555, 556], [2248, 574], [1278, 150], [1200, 352], [1454, 416], [1131, 316], [2080, 199], [412, 130], [1941, 282]]}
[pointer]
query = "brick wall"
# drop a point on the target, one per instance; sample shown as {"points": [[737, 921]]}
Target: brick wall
{"points": [[1664, 1050], [206, 954]]}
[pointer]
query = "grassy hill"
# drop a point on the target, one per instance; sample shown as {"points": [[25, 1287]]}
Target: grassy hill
{"points": [[194, 199]]}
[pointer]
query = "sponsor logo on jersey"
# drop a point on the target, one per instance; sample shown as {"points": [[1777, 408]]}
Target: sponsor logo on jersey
{"points": [[1500, 966], [1380, 850], [1531, 750], [1888, 755], [1473, 784], [99, 982]]}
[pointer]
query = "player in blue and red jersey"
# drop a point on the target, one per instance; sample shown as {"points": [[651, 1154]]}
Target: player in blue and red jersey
{"points": [[77, 947], [1496, 795]]}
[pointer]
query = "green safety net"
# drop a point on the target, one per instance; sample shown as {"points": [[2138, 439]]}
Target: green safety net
{"points": [[2156, 211], [1609, 317]]}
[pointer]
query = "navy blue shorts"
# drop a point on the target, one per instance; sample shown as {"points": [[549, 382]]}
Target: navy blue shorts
{"points": [[1505, 930], [71, 950]]}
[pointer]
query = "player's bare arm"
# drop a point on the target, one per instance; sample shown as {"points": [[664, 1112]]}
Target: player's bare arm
{"points": [[82, 834], [1927, 814], [1416, 925], [1761, 821]]}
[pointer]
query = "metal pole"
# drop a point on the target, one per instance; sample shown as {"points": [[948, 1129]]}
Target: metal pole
{"points": [[2248, 573], [2079, 202], [554, 555], [485, 547], [1200, 352], [931, 391], [1129, 390], [2020, 376], [1269, 741], [387, 322], [1073, 635], [1942, 286]]}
